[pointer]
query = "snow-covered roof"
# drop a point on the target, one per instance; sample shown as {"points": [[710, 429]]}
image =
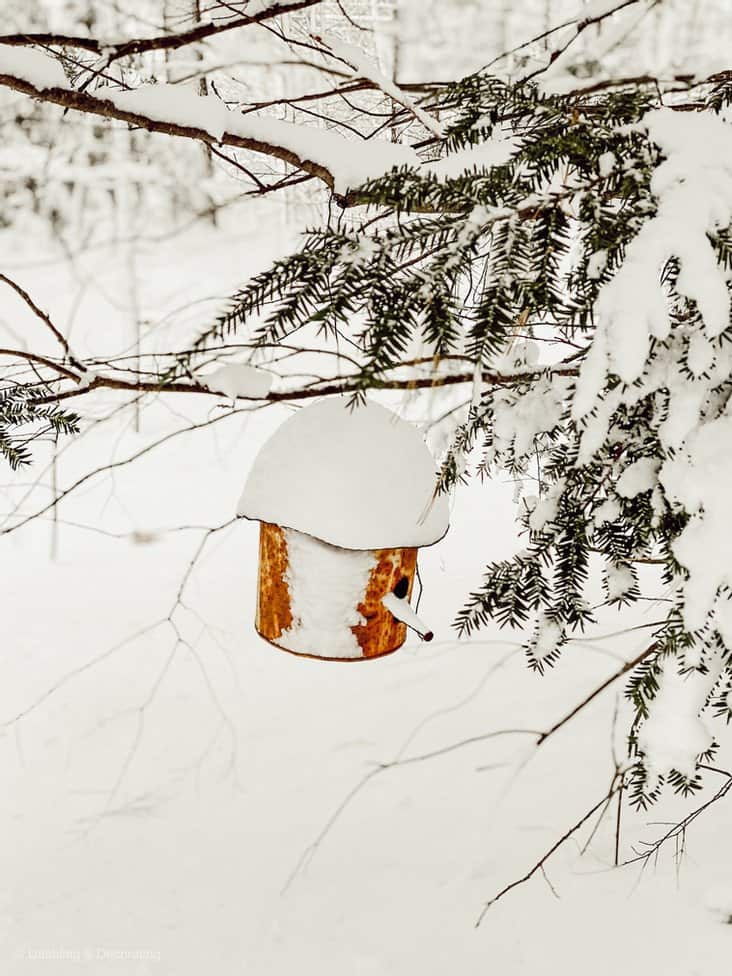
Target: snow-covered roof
{"points": [[358, 478]]}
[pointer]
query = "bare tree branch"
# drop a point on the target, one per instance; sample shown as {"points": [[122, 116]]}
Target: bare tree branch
{"points": [[161, 42], [627, 666], [539, 865], [32, 357], [679, 828], [579, 22], [582, 26], [44, 317], [318, 389], [401, 760]]}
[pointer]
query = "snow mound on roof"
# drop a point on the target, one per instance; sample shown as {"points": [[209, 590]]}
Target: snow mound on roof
{"points": [[358, 478]]}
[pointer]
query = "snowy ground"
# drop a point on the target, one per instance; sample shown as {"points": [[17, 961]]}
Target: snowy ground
{"points": [[160, 798]]}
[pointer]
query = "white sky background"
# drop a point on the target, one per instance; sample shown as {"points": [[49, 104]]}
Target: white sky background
{"points": [[158, 802]]}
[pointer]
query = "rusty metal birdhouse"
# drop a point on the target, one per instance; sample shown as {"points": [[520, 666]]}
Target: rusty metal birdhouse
{"points": [[346, 496]]}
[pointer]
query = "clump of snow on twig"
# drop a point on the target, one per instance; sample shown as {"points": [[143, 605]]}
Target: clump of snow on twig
{"points": [[359, 252], [548, 638], [239, 380], [638, 477], [596, 264], [364, 67], [699, 477], [619, 581], [495, 151], [32, 66], [675, 734], [517, 421], [545, 509]]}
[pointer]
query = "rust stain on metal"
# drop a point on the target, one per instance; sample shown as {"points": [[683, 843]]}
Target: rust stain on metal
{"points": [[273, 597], [382, 633]]}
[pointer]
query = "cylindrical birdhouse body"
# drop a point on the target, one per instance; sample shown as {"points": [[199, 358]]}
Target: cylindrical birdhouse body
{"points": [[324, 601]]}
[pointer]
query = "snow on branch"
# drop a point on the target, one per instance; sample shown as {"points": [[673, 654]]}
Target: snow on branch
{"points": [[342, 386], [693, 188], [234, 380], [496, 151], [365, 69], [341, 164], [675, 732], [33, 67], [678, 354]]}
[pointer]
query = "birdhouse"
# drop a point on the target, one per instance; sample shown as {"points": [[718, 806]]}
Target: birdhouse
{"points": [[345, 497]]}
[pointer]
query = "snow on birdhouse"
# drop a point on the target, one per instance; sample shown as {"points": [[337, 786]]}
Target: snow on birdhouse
{"points": [[345, 496]]}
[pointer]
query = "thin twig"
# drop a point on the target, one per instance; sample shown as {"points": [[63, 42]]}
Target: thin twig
{"points": [[539, 865], [679, 828], [45, 318], [161, 42]]}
